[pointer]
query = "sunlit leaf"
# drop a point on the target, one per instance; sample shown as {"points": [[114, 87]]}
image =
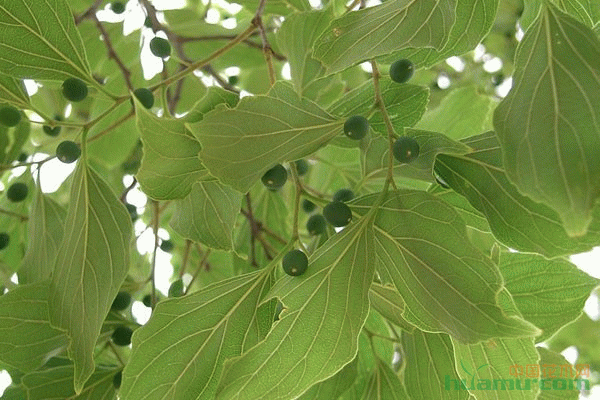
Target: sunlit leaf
{"points": [[333, 387], [384, 384], [388, 302], [12, 91]]}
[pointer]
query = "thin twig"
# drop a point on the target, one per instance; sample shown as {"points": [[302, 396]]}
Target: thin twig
{"points": [[22, 217], [89, 12], [254, 231], [112, 52], [266, 46], [156, 218], [200, 265], [186, 256]]}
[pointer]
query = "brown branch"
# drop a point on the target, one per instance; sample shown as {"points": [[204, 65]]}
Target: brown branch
{"points": [[89, 12], [23, 218], [111, 51], [266, 46]]}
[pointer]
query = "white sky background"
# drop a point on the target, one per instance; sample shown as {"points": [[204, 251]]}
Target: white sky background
{"points": [[54, 172]]}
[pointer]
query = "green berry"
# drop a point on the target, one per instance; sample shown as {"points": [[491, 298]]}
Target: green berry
{"points": [[147, 300], [356, 127], [233, 80], [74, 89], [121, 302], [22, 157], [132, 211], [295, 263], [117, 379], [176, 288], [145, 97], [167, 246], [117, 7], [402, 70], [308, 206], [337, 214], [51, 131], [121, 336], [405, 149], [9, 116], [160, 47], [17, 192], [316, 225], [4, 240], [343, 195], [148, 22], [68, 152], [302, 166], [275, 178], [498, 79]]}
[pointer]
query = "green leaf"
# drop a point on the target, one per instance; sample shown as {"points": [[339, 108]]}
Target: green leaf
{"points": [[462, 113], [239, 145], [48, 44], [550, 358], [213, 97], [516, 220], [383, 29], [45, 232], [429, 364], [384, 384], [386, 300], [377, 155], [318, 333], [549, 293], [13, 92], [405, 104], [586, 11], [28, 340], [474, 19], [207, 215], [447, 284], [55, 384], [170, 165], [549, 124], [194, 335], [335, 386], [91, 265]]}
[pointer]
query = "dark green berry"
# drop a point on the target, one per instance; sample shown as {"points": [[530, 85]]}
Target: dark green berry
{"points": [[233, 80], [498, 79], [343, 195], [132, 211], [337, 214], [74, 89], [176, 288], [302, 166], [295, 263], [145, 97], [160, 47], [148, 22], [121, 302], [68, 152], [316, 225], [147, 300], [4, 240], [275, 178], [9, 116], [51, 131], [405, 149], [117, 7], [22, 157], [121, 336], [117, 379], [17, 192], [167, 246], [402, 70], [308, 206], [356, 127]]}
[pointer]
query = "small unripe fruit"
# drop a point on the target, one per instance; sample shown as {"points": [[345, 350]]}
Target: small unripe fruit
{"points": [[9, 116], [145, 97], [167, 246], [160, 47], [74, 89], [275, 178], [17, 192], [308, 206], [402, 70], [4, 240], [121, 302], [302, 166], [405, 149], [121, 336], [337, 214], [117, 379], [356, 127], [295, 263], [176, 288], [147, 300], [117, 7], [68, 152], [52, 131], [22, 157], [343, 195], [316, 225], [148, 22], [233, 80]]}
